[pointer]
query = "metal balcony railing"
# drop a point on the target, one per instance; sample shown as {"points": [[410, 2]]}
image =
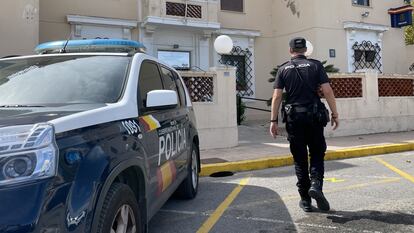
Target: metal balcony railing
{"points": [[184, 10], [196, 10]]}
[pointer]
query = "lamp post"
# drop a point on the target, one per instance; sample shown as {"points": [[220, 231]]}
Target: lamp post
{"points": [[223, 44], [309, 51]]}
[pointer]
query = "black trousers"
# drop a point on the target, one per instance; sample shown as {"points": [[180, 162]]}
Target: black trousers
{"points": [[304, 134]]}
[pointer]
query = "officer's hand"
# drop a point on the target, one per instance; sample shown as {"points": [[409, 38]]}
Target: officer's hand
{"points": [[273, 129], [335, 121]]}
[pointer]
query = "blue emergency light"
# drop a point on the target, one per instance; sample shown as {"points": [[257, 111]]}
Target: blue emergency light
{"points": [[93, 45]]}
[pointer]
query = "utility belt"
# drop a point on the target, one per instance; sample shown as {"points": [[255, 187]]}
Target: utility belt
{"points": [[316, 111]]}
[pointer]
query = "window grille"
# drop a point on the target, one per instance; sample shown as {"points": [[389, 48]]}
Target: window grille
{"points": [[179, 9], [395, 87], [367, 56], [200, 88], [242, 60], [347, 87]]}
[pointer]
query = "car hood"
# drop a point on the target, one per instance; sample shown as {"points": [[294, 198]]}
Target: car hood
{"points": [[34, 115]]}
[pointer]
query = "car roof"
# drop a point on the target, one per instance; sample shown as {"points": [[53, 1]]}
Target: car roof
{"points": [[64, 54]]}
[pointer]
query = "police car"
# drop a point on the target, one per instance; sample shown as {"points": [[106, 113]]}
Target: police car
{"points": [[95, 136]]}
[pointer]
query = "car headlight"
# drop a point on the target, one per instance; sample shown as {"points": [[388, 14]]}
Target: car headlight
{"points": [[27, 152]]}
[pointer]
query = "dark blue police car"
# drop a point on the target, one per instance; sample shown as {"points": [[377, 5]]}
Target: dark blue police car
{"points": [[95, 136]]}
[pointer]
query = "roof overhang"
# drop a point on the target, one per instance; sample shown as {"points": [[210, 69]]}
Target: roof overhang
{"points": [[154, 21], [349, 25], [238, 32], [88, 20]]}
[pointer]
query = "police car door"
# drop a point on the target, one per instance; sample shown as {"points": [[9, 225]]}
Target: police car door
{"points": [[179, 130], [155, 124]]}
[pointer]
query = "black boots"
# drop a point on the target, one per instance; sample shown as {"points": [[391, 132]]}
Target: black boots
{"points": [[315, 192], [305, 200], [306, 204]]}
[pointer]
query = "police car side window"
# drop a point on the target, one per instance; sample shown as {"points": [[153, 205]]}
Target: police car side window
{"points": [[181, 91], [168, 79], [149, 80]]}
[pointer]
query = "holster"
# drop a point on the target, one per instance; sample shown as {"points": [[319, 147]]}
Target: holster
{"points": [[283, 112], [321, 113], [288, 113]]}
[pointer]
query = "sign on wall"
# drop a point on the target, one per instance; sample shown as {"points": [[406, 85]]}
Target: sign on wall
{"points": [[401, 16]]}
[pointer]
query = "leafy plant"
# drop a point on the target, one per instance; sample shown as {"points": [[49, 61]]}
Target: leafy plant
{"points": [[409, 33]]}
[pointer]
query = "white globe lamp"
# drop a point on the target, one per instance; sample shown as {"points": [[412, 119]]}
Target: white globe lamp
{"points": [[309, 51], [223, 44]]}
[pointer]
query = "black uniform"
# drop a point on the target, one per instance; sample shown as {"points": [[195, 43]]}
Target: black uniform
{"points": [[303, 131]]}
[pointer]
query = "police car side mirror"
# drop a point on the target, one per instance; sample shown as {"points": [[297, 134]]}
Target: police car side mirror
{"points": [[162, 99]]}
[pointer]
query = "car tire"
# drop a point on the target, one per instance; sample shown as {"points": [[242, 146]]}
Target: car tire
{"points": [[120, 209], [189, 187]]}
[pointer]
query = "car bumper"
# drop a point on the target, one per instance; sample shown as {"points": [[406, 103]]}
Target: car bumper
{"points": [[35, 207]]}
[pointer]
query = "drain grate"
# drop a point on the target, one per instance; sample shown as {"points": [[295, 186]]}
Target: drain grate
{"points": [[222, 174]]}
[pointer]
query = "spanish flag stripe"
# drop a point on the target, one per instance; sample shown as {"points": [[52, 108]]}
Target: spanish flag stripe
{"points": [[173, 170], [145, 124], [160, 182], [149, 122], [153, 122], [166, 176]]}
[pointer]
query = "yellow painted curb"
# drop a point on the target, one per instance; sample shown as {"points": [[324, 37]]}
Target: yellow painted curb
{"points": [[279, 161]]}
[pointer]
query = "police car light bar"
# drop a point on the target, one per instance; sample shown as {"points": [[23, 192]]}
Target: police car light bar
{"points": [[94, 45]]}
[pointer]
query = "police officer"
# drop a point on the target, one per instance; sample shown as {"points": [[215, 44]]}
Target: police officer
{"points": [[301, 78]]}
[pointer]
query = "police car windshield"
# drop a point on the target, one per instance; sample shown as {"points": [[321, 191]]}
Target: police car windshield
{"points": [[69, 79]]}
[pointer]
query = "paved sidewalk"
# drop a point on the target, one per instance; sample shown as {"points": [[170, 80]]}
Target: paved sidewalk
{"points": [[256, 143]]}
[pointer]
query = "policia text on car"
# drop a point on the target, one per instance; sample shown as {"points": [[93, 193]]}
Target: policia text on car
{"points": [[305, 116]]}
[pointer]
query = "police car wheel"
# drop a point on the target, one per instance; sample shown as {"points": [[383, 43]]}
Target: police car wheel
{"points": [[189, 187], [120, 211]]}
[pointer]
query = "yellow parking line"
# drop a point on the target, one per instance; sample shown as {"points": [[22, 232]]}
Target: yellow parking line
{"points": [[396, 170], [212, 220]]}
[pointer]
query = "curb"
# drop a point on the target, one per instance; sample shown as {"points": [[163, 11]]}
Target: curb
{"points": [[287, 160]]}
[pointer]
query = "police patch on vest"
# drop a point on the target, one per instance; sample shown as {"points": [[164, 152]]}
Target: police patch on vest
{"points": [[298, 66]]}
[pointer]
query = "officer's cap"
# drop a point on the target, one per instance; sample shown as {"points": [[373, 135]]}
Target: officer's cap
{"points": [[298, 43]]}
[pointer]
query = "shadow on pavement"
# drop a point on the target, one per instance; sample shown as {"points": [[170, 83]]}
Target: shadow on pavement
{"points": [[255, 217], [343, 217]]}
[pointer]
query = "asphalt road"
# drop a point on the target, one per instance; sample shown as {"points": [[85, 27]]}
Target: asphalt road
{"points": [[370, 194]]}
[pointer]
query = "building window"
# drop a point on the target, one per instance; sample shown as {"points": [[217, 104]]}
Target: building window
{"points": [[242, 60], [232, 5], [361, 2], [180, 60], [184, 10], [367, 56]]}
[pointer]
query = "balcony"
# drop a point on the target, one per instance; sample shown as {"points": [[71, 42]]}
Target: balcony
{"points": [[201, 14]]}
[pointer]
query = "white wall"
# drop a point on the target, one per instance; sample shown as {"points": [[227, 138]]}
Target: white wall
{"points": [[19, 27], [217, 120], [371, 113]]}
